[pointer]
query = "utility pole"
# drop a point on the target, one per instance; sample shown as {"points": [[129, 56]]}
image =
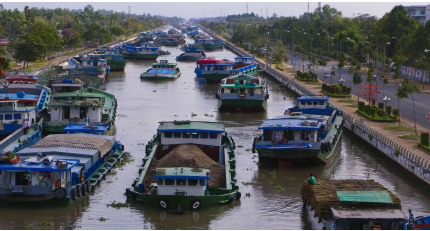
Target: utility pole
{"points": [[319, 7], [129, 27], [261, 12], [246, 7], [266, 13]]}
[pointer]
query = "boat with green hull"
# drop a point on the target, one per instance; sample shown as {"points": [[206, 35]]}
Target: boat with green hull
{"points": [[309, 133], [115, 61], [162, 71], [188, 165], [211, 44], [242, 93], [139, 53], [79, 107]]}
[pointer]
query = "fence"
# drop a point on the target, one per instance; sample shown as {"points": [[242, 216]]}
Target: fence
{"points": [[11, 138]]}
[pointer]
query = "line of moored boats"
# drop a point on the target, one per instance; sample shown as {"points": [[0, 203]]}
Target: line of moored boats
{"points": [[188, 165]]}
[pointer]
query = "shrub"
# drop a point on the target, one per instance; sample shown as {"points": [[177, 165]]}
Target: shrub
{"points": [[388, 109], [425, 138], [379, 112], [367, 109], [333, 89], [305, 75], [396, 112], [344, 89], [361, 106], [324, 87], [372, 112], [381, 105], [348, 91]]}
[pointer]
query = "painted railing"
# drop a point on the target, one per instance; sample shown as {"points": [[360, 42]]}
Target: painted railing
{"points": [[11, 138]]}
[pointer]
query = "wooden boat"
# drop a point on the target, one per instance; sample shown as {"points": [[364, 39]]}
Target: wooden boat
{"points": [[308, 133], [242, 93], [162, 71], [215, 70], [188, 165], [352, 205]]}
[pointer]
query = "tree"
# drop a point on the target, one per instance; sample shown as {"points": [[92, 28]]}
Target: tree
{"points": [[29, 49], [50, 37], [341, 63], [357, 80], [280, 53], [333, 73], [370, 73], [322, 62], [409, 88]]}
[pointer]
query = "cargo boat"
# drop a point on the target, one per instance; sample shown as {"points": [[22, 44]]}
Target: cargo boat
{"points": [[78, 107], [215, 70], [192, 54], [162, 71], [309, 133], [352, 204], [211, 44], [242, 93], [174, 186], [58, 169]]}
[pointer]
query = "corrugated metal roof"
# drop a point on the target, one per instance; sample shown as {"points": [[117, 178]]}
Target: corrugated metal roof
{"points": [[368, 214]]}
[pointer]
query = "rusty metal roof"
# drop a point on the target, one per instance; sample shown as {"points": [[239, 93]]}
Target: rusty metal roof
{"points": [[368, 214]]}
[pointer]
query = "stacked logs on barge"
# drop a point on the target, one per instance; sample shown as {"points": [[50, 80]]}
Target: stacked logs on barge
{"points": [[323, 196]]}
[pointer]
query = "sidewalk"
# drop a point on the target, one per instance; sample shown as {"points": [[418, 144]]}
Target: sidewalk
{"points": [[394, 135]]}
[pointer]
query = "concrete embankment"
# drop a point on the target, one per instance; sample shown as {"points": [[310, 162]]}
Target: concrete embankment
{"points": [[402, 152]]}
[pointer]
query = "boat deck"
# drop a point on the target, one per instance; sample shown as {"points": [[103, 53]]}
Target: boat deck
{"points": [[15, 143]]}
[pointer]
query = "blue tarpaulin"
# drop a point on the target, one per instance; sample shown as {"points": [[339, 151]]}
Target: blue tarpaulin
{"points": [[161, 71]]}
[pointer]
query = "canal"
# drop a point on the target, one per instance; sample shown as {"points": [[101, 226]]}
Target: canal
{"points": [[142, 104]]}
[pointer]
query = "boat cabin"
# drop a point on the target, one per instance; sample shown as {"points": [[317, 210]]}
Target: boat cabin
{"points": [[206, 135], [244, 61], [21, 81], [242, 84], [164, 64], [181, 181]]}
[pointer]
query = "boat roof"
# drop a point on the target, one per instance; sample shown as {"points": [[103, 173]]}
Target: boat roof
{"points": [[314, 98], [86, 129], [14, 96], [191, 126], [242, 77], [159, 64], [182, 173], [40, 167], [289, 124], [244, 57], [22, 78], [208, 61], [388, 214]]}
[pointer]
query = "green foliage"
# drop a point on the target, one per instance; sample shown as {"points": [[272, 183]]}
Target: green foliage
{"points": [[361, 106], [117, 205], [424, 147], [397, 152], [367, 109], [425, 138], [396, 112], [397, 128], [380, 105], [388, 110], [372, 112]]}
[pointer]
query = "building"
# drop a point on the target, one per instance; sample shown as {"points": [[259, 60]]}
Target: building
{"points": [[421, 13]]}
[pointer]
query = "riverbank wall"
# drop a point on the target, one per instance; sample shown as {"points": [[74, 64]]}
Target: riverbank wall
{"points": [[413, 163]]}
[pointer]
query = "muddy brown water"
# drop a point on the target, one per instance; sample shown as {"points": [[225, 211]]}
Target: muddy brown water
{"points": [[142, 104]]}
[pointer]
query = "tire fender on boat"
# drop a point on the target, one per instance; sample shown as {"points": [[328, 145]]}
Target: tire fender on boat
{"points": [[88, 186], [83, 189], [73, 193], [61, 194], [78, 190], [253, 144], [196, 205], [238, 195]]}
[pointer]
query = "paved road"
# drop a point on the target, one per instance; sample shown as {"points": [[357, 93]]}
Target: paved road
{"points": [[422, 101]]}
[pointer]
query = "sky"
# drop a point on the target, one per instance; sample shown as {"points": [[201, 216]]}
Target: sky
{"points": [[208, 9]]}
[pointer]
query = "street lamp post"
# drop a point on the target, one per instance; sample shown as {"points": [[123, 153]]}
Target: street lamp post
{"points": [[267, 47], [386, 100], [377, 53], [400, 41], [424, 77]]}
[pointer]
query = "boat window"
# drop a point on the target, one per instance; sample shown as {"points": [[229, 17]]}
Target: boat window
{"points": [[302, 102], [177, 135], [315, 103], [193, 182], [213, 135], [159, 181], [321, 103], [181, 181], [204, 135], [308, 102], [185, 135], [17, 116], [1, 117], [202, 182], [168, 134], [169, 181], [194, 135], [8, 116]]}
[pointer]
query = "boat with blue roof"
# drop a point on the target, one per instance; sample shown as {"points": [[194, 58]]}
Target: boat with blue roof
{"points": [[308, 133], [192, 54], [417, 223], [189, 165], [162, 71], [59, 168], [192, 28], [21, 98], [216, 70], [92, 64], [143, 52], [115, 61]]}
